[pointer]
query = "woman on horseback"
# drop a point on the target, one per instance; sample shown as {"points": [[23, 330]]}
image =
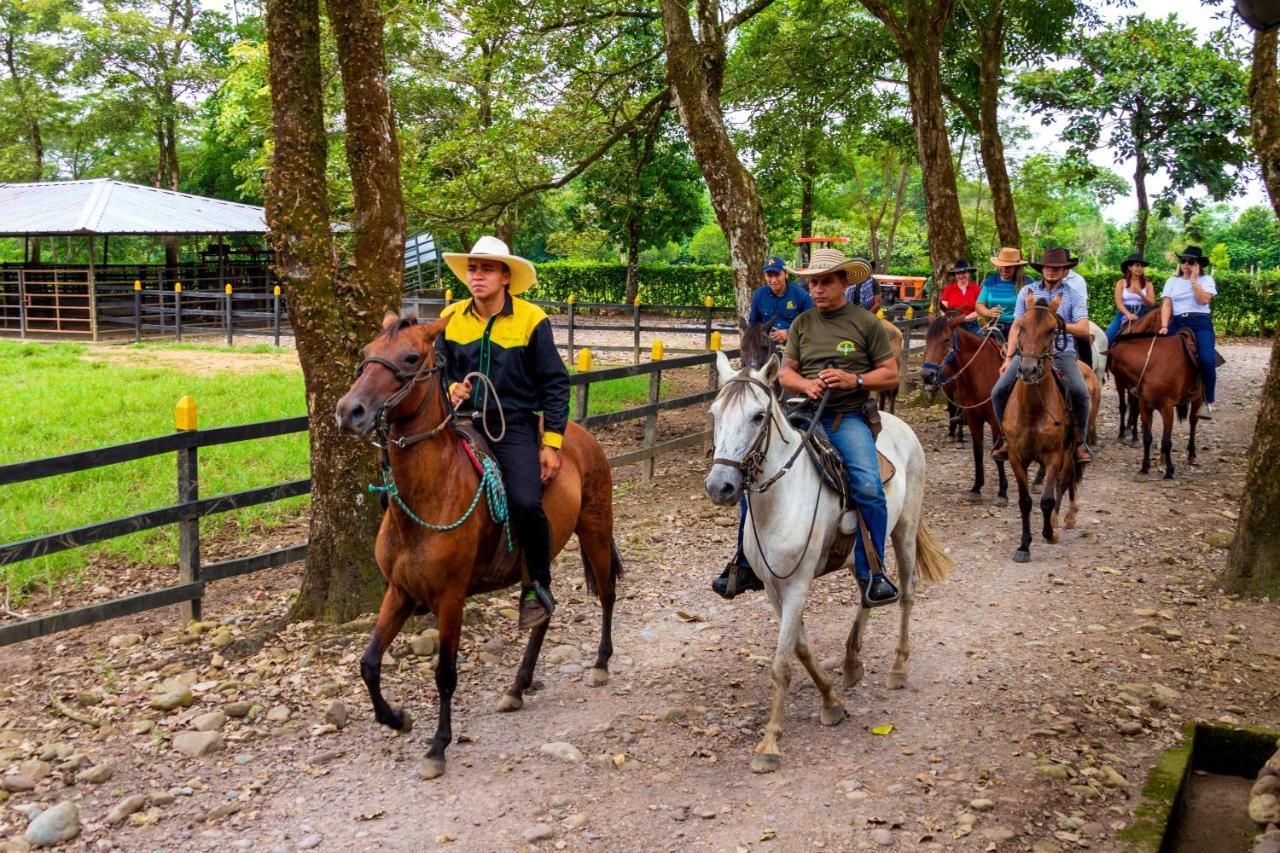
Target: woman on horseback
{"points": [[1000, 289], [962, 293], [1186, 299], [1135, 294]]}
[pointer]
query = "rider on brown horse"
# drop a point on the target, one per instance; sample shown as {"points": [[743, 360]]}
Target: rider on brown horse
{"points": [[1073, 311], [509, 341]]}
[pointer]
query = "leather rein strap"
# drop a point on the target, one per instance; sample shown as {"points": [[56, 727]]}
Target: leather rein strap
{"points": [[408, 381], [753, 461]]}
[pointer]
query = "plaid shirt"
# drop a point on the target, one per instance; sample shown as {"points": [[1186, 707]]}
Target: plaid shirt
{"points": [[1073, 306]]}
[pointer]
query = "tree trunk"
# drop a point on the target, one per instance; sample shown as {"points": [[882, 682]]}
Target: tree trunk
{"points": [[633, 257], [1254, 565], [330, 321], [899, 196], [990, 143], [1144, 206], [693, 69]]}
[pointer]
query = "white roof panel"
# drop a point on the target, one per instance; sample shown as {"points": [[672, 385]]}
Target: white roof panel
{"points": [[114, 207]]}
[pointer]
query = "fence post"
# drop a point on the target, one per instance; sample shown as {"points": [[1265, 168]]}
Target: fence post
{"points": [[584, 390], [713, 382], [228, 321], [568, 346], [905, 357], [275, 313], [177, 310], [651, 419], [448, 297], [708, 303], [137, 311], [22, 304], [635, 318], [188, 490]]}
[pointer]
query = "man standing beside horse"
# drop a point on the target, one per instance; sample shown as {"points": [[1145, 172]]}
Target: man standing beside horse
{"points": [[1073, 313]]}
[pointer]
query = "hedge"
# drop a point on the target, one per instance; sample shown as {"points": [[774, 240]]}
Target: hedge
{"points": [[1245, 305], [665, 284]]}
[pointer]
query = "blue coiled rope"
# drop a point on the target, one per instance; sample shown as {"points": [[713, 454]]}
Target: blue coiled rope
{"points": [[490, 486]]}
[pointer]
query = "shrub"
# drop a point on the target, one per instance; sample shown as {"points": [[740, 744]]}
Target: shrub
{"points": [[1245, 305]]}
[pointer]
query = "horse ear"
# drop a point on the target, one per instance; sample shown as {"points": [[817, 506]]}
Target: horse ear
{"points": [[436, 327], [956, 320], [1031, 299], [1053, 306], [769, 373], [389, 319], [723, 367]]}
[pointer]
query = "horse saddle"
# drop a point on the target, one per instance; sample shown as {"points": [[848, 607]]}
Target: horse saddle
{"points": [[501, 568], [1189, 346]]}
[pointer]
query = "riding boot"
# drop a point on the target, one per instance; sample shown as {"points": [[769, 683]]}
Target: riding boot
{"points": [[877, 591], [736, 578], [536, 606], [1000, 450]]}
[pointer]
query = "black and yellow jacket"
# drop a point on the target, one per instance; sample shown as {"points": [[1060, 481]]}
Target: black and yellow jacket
{"points": [[516, 350]]}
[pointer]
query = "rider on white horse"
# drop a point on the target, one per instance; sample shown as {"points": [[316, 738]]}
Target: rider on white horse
{"points": [[842, 348]]}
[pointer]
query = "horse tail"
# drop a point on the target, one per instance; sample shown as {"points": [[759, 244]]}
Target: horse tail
{"points": [[615, 567], [931, 560], [1182, 412]]}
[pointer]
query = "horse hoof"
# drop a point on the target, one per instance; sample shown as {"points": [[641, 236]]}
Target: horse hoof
{"points": [[1021, 556], [897, 680], [509, 703], [431, 768], [406, 722], [761, 763], [973, 497], [832, 716], [599, 677], [852, 676]]}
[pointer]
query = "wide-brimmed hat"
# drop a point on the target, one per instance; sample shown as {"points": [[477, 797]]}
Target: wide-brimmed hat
{"points": [[833, 260], [1055, 258], [962, 265], [1194, 253], [523, 275], [1135, 258], [1008, 257]]}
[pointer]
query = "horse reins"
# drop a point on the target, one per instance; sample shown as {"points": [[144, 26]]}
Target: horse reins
{"points": [[943, 381]]}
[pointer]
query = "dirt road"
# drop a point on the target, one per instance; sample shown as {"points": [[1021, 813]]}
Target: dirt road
{"points": [[1039, 694]]}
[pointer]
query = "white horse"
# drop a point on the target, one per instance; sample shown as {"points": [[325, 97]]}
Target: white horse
{"points": [[1099, 338], [791, 526]]}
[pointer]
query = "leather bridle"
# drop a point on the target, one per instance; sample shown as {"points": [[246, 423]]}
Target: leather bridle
{"points": [[408, 382]]}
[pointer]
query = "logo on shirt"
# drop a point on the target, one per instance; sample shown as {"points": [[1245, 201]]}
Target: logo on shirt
{"points": [[846, 348], [791, 305]]}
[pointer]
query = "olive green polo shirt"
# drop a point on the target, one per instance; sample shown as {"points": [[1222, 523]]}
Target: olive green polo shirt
{"points": [[851, 337]]}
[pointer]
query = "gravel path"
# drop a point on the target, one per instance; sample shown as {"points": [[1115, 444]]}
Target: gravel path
{"points": [[1039, 694]]}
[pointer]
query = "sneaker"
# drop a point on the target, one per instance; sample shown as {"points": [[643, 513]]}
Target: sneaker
{"points": [[1000, 452], [735, 579], [536, 607], [877, 591]]}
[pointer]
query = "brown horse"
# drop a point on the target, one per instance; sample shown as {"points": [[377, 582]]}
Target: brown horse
{"points": [[965, 366], [438, 541], [1164, 376], [888, 400], [1037, 423]]}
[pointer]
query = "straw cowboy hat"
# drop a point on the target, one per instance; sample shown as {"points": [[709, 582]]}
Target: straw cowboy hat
{"points": [[1007, 257], [833, 260], [523, 275], [1055, 258]]}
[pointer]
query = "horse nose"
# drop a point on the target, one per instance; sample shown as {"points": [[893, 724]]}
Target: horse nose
{"points": [[352, 415], [927, 377], [722, 490]]}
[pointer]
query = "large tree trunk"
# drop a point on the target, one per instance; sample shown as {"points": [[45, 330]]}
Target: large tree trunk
{"points": [[917, 30], [331, 321], [694, 72], [1255, 555], [990, 143], [899, 196]]}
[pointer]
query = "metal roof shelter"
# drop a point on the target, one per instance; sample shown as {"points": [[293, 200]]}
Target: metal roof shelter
{"points": [[107, 207]]}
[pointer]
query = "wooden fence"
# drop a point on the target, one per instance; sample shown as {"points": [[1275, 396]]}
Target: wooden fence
{"points": [[190, 508]]}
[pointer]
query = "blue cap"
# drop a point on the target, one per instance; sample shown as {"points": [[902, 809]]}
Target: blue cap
{"points": [[775, 264]]}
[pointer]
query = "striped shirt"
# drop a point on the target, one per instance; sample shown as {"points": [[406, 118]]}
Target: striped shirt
{"points": [[1072, 308]]}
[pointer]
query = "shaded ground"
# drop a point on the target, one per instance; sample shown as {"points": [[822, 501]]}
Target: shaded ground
{"points": [[1040, 694]]}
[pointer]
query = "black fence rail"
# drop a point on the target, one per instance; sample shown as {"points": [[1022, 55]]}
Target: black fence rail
{"points": [[193, 575], [179, 311]]}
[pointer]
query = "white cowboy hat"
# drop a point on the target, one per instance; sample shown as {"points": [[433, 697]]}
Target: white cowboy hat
{"points": [[833, 260], [523, 275]]}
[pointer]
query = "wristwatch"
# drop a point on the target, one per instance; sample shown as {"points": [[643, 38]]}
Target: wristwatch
{"points": [[858, 381]]}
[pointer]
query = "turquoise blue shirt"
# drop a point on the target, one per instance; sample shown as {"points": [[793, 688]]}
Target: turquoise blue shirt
{"points": [[998, 293]]}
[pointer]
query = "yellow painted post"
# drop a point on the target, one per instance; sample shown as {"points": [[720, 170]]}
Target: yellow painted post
{"points": [[910, 313], [184, 417], [137, 285], [583, 390], [275, 312], [708, 303], [571, 310], [651, 419], [655, 352], [448, 297], [635, 328], [227, 312], [714, 346], [137, 311], [177, 311], [880, 313]]}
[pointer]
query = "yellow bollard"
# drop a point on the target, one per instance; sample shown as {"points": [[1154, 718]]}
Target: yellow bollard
{"points": [[584, 360], [276, 291], [880, 313], [709, 302], [177, 287], [184, 414], [137, 285], [228, 289], [637, 302], [715, 342], [655, 353], [909, 314], [572, 299], [448, 296]]}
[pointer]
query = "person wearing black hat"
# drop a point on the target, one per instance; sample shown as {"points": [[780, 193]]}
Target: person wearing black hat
{"points": [[1073, 308], [962, 293], [777, 303], [1135, 295], [1185, 305]]}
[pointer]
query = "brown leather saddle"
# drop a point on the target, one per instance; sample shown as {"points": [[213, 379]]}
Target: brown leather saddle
{"points": [[502, 568], [1189, 347]]}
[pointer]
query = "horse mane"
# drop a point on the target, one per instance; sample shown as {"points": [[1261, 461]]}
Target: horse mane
{"points": [[939, 323], [756, 346], [407, 320]]}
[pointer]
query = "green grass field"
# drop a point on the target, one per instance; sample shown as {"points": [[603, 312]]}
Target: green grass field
{"points": [[59, 401]]}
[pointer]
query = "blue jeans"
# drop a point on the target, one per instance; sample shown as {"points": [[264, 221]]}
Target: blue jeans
{"points": [[1114, 328], [1202, 326], [862, 470], [1068, 365]]}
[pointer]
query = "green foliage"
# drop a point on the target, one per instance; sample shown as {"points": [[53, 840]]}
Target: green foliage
{"points": [[709, 246], [1245, 305], [659, 283]]}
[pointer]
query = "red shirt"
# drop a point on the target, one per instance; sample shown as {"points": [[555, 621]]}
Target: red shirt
{"points": [[962, 301]]}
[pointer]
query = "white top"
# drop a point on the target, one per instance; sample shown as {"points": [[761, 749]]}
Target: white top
{"points": [[1184, 299], [1131, 298]]}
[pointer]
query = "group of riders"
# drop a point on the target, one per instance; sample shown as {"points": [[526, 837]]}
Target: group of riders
{"points": [[834, 348]]}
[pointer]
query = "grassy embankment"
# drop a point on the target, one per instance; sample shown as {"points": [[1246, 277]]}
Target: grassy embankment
{"points": [[60, 401]]}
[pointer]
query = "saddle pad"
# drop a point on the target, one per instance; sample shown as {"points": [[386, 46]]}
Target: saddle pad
{"points": [[887, 469]]}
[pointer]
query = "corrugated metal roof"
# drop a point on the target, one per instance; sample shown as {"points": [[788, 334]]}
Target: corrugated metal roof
{"points": [[105, 206]]}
